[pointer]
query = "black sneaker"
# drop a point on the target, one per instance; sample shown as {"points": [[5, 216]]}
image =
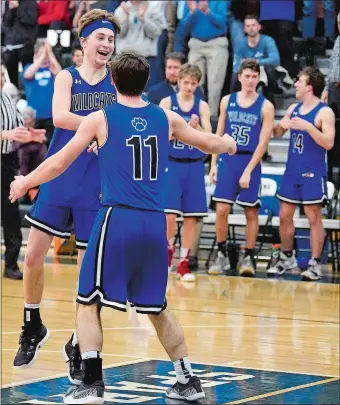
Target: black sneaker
{"points": [[72, 356], [14, 274], [29, 344], [191, 391], [86, 394]]}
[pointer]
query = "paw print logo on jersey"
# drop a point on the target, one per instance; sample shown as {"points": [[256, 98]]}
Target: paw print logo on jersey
{"points": [[139, 124]]}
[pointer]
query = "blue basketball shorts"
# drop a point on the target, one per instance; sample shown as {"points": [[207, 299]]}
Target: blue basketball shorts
{"points": [[305, 189], [60, 221], [126, 260], [228, 189], [185, 192]]}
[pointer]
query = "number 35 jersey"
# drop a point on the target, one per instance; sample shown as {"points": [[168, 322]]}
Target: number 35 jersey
{"points": [[305, 155], [244, 125]]}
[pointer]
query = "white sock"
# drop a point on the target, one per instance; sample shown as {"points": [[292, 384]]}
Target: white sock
{"points": [[32, 306], [183, 370], [74, 338], [93, 354], [171, 242], [184, 253]]}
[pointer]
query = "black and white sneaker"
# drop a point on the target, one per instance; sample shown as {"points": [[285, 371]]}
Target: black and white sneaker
{"points": [[86, 394], [191, 391], [72, 356], [29, 344]]}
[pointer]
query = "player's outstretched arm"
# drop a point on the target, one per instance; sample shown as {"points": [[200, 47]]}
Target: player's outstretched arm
{"points": [[285, 124], [58, 163], [62, 117], [206, 142]]}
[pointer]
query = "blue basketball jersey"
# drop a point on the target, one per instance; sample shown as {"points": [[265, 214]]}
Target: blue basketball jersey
{"points": [[305, 155], [79, 185], [179, 150], [134, 157], [244, 124]]}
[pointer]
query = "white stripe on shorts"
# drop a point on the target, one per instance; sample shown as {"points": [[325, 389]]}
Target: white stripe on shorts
{"points": [[101, 248]]}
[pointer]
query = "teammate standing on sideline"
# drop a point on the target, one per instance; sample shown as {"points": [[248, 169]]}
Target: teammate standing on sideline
{"points": [[185, 193], [74, 197], [249, 118], [312, 132], [127, 254]]}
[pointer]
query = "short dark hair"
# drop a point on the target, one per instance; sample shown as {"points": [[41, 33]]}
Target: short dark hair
{"points": [[251, 64], [130, 73], [76, 48], [251, 17], [175, 56], [315, 79]]}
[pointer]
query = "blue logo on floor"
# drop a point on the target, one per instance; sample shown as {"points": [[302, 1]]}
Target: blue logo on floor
{"points": [[146, 382]]}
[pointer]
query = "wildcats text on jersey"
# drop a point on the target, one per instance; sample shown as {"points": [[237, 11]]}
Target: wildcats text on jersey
{"points": [[91, 101], [242, 117]]}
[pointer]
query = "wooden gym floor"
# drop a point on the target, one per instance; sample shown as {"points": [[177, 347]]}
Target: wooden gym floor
{"points": [[251, 340]]}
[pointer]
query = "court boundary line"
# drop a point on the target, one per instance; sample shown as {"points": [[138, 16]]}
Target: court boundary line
{"points": [[282, 391], [145, 359]]}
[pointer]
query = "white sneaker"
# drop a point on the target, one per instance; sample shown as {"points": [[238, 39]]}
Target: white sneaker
{"points": [[313, 272], [220, 265], [247, 268], [284, 263]]}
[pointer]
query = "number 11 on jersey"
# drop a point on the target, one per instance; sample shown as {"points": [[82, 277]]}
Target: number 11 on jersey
{"points": [[138, 151]]}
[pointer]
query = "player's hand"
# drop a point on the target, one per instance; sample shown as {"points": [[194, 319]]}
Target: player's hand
{"points": [[194, 120], [300, 124], [93, 148], [285, 123], [37, 135], [231, 145], [245, 179], [18, 188], [213, 174], [324, 97]]}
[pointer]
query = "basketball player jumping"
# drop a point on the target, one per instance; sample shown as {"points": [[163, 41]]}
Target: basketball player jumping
{"points": [[72, 198], [127, 256]]}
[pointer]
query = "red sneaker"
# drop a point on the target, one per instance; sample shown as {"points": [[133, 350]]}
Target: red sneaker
{"points": [[171, 251], [183, 271]]}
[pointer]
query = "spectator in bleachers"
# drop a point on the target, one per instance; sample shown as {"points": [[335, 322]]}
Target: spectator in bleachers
{"points": [[277, 19], [169, 86], [259, 47], [77, 56], [205, 22], [309, 19], [39, 84], [30, 154], [53, 15], [331, 94], [20, 33], [141, 26]]}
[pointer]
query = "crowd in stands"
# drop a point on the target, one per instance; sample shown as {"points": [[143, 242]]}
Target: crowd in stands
{"points": [[39, 39]]}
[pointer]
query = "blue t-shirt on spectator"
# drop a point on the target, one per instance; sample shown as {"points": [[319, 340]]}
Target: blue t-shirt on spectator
{"points": [[39, 91], [266, 53], [277, 10]]}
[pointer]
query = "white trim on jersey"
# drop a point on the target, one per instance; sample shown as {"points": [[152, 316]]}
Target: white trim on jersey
{"points": [[224, 200], [246, 204], [43, 227]]}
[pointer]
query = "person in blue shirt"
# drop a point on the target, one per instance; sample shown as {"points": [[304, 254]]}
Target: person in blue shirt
{"points": [[205, 23], [71, 201], [169, 86], [260, 47], [39, 83], [312, 131], [127, 255]]}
